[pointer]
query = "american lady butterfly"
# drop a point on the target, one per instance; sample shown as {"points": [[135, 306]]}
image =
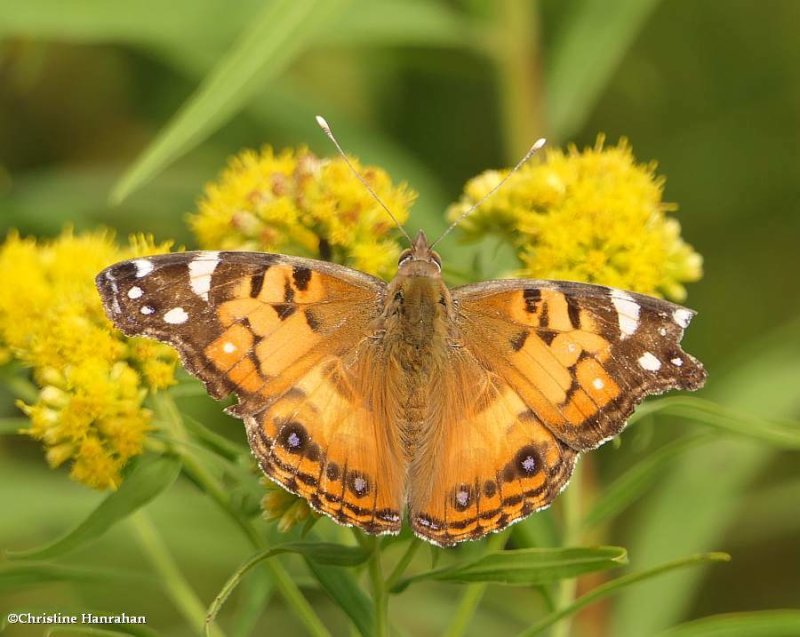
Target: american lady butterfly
{"points": [[467, 407]]}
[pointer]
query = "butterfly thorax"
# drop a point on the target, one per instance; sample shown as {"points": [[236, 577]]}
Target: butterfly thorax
{"points": [[415, 326]]}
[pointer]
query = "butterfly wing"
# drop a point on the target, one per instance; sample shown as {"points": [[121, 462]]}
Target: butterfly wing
{"points": [[290, 337], [550, 369]]}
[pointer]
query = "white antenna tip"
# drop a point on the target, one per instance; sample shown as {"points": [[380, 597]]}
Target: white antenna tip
{"points": [[536, 145], [323, 124]]}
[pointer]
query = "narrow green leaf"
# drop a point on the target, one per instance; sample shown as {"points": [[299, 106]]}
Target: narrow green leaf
{"points": [[618, 584], [14, 576], [314, 552], [405, 23], [275, 38], [343, 589], [148, 477], [767, 623], [785, 435], [528, 566], [630, 486], [594, 38]]}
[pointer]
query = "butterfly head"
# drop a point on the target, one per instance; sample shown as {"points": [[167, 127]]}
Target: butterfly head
{"points": [[419, 259]]}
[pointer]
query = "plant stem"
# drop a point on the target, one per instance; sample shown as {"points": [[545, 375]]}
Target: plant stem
{"points": [[380, 595], [571, 499], [473, 594], [283, 582], [173, 581], [402, 565], [514, 48]]}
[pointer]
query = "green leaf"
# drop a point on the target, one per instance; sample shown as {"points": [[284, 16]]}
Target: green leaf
{"points": [[593, 40], [527, 566], [785, 435], [148, 477], [283, 30], [767, 623], [616, 585], [14, 576], [404, 23], [630, 486], [343, 589], [314, 552]]}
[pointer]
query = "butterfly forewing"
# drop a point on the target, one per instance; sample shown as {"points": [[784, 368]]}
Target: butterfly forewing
{"points": [[580, 356], [288, 336]]}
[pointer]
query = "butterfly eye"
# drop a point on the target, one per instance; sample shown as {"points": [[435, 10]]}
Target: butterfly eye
{"points": [[437, 260], [404, 256]]}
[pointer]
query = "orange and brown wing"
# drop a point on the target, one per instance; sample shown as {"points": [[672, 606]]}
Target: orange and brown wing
{"points": [[580, 356], [542, 371], [288, 336], [489, 463]]}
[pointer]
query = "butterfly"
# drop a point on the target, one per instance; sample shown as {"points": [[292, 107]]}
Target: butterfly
{"points": [[464, 408]]}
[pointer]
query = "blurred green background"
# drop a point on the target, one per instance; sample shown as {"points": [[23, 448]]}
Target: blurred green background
{"points": [[116, 115]]}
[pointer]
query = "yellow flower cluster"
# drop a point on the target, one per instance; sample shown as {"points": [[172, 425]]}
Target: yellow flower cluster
{"points": [[91, 379], [297, 203], [593, 215]]}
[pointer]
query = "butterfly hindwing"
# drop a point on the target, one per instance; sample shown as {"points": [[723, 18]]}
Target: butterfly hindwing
{"points": [[286, 335], [492, 464]]}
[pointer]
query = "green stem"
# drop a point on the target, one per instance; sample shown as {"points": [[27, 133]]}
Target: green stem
{"points": [[473, 595], [514, 48], [402, 565], [283, 582], [380, 595], [173, 581], [571, 500]]}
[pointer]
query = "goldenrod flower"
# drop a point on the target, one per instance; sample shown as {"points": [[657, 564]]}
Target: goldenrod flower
{"points": [[297, 203], [284, 507], [92, 379], [593, 215]]}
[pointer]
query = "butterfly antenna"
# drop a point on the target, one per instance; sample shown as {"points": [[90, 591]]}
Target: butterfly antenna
{"points": [[327, 130], [531, 152]]}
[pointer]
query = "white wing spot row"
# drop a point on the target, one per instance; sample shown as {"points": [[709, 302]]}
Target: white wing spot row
{"points": [[135, 292], [143, 267], [627, 311], [200, 270], [682, 317], [649, 362], [176, 316]]}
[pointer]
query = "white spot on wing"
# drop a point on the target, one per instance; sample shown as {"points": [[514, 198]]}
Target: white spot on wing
{"points": [[176, 316], [200, 270], [146, 309], [143, 267], [662, 331], [627, 310], [649, 362], [682, 317], [677, 362], [229, 348], [135, 292], [598, 383]]}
